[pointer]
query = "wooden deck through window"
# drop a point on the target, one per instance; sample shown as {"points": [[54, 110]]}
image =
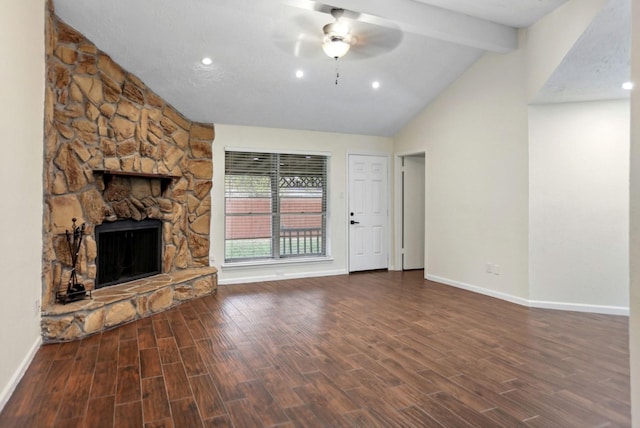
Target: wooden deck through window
{"points": [[371, 349]]}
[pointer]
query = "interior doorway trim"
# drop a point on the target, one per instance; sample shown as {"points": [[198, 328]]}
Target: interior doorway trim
{"points": [[398, 229]]}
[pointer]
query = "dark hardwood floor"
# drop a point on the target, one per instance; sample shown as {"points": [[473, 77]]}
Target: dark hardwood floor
{"points": [[381, 349]]}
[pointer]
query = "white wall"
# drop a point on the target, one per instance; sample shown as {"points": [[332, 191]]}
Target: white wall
{"points": [[22, 74], [475, 139], [338, 146], [578, 205], [634, 265]]}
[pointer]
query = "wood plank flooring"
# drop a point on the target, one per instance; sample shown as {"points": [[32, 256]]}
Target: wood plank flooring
{"points": [[378, 349]]}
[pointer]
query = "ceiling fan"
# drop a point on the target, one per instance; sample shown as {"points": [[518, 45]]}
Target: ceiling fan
{"points": [[361, 35]]}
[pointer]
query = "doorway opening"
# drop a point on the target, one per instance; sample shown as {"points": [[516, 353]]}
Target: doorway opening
{"points": [[412, 211]]}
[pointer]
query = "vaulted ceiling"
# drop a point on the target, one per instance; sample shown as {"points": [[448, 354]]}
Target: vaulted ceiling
{"points": [[413, 48]]}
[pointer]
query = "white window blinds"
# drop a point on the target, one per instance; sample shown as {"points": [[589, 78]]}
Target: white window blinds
{"points": [[275, 205]]}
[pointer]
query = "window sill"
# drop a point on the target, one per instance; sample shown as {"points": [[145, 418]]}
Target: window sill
{"points": [[263, 263]]}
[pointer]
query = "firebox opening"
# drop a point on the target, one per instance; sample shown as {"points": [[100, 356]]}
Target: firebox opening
{"points": [[128, 250]]}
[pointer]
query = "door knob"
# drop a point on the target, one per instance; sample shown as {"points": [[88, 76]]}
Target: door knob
{"points": [[354, 222]]}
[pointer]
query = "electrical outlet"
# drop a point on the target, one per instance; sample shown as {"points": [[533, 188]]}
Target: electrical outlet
{"points": [[496, 269], [488, 267]]}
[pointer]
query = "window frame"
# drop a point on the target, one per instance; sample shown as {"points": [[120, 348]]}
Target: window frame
{"points": [[276, 196]]}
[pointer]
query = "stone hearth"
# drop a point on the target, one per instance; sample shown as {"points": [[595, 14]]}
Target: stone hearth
{"points": [[119, 304], [115, 150]]}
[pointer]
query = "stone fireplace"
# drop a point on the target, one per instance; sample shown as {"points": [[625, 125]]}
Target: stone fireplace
{"points": [[117, 157]]}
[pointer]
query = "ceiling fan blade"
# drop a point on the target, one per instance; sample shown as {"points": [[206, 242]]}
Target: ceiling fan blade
{"points": [[300, 36], [373, 41]]}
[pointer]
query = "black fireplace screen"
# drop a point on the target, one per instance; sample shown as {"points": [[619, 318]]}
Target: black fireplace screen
{"points": [[128, 250]]}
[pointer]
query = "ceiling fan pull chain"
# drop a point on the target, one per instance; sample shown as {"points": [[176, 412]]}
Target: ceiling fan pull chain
{"points": [[337, 71]]}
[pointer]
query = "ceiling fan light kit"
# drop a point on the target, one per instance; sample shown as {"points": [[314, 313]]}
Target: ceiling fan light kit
{"points": [[337, 38], [335, 47]]}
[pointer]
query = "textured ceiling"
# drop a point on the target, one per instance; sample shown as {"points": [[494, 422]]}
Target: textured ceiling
{"points": [[414, 48], [599, 62]]}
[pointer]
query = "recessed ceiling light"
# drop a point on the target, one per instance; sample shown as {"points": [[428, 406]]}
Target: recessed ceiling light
{"points": [[627, 86], [207, 61], [375, 85], [299, 74]]}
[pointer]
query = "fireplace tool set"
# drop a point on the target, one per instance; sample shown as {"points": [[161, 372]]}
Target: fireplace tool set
{"points": [[75, 291]]}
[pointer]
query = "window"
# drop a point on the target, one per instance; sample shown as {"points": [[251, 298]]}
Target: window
{"points": [[275, 205]]}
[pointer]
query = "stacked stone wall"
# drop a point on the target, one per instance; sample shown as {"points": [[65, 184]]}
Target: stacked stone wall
{"points": [[100, 117]]}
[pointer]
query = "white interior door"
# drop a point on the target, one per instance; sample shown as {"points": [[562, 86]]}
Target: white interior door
{"points": [[413, 221], [368, 213]]}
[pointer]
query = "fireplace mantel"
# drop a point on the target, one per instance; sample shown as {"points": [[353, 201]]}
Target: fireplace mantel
{"points": [[108, 174]]}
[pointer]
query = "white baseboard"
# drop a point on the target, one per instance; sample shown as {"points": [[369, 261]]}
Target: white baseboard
{"points": [[17, 376], [580, 307], [276, 277], [562, 306], [479, 290]]}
